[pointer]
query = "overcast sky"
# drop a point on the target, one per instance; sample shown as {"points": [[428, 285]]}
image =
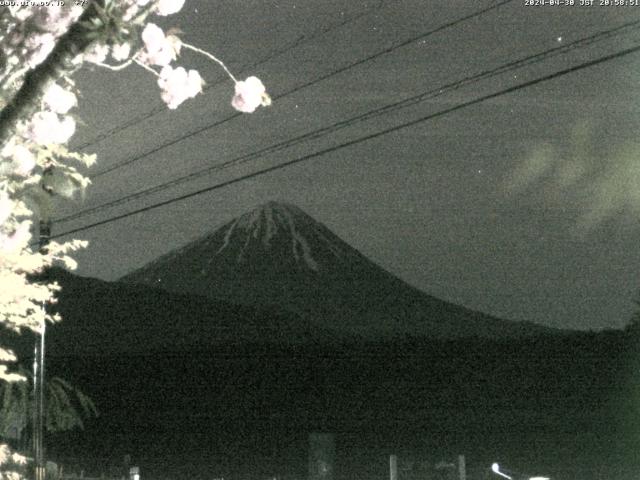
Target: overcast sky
{"points": [[524, 206]]}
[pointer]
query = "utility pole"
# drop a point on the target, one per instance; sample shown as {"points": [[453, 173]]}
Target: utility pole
{"points": [[38, 373], [462, 468], [393, 467]]}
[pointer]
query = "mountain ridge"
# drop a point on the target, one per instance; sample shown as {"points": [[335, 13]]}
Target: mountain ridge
{"points": [[111, 318], [278, 254]]}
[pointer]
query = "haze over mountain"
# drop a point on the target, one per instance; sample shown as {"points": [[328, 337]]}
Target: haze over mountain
{"points": [[278, 255]]}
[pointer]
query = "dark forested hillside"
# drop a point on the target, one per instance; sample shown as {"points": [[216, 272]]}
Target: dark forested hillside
{"points": [[546, 403]]}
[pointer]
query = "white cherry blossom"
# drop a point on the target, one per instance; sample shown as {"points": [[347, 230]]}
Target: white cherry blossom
{"points": [[18, 239], [21, 160], [47, 127], [169, 7], [41, 46], [177, 85], [97, 54], [19, 459], [121, 51], [57, 20], [21, 12], [58, 99], [250, 94], [130, 12], [6, 206], [160, 50]]}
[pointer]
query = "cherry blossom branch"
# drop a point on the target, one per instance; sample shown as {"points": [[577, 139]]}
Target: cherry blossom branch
{"points": [[116, 68], [145, 66], [27, 99], [211, 57]]}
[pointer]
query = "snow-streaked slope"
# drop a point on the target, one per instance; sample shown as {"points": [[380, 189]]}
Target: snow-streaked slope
{"points": [[277, 254]]}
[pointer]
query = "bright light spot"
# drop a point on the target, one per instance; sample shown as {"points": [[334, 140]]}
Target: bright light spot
{"points": [[559, 39], [496, 469]]}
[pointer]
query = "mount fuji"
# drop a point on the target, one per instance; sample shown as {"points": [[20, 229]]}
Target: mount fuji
{"points": [[277, 255]]}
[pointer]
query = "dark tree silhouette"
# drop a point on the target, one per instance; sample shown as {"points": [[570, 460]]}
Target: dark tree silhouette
{"points": [[66, 407]]}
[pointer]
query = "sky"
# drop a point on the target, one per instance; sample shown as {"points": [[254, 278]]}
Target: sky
{"points": [[524, 205]]}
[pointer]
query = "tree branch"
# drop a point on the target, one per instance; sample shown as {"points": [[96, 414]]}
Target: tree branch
{"points": [[27, 99]]}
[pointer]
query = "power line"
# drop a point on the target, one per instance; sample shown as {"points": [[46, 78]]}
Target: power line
{"points": [[301, 40], [362, 139], [369, 58], [531, 59]]}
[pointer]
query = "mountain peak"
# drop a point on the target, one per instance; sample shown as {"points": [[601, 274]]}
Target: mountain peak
{"points": [[276, 254], [272, 215], [256, 231], [274, 206]]}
